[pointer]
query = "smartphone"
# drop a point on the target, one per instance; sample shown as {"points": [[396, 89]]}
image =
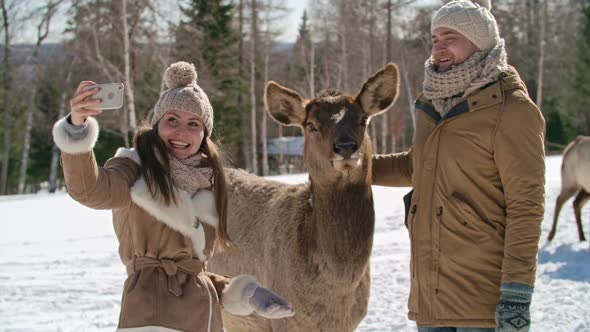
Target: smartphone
{"points": [[110, 94]]}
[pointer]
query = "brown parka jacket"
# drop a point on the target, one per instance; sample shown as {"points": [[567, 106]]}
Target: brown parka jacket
{"points": [[474, 215], [164, 248]]}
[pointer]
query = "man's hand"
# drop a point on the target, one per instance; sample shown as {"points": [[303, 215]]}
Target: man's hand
{"points": [[512, 310]]}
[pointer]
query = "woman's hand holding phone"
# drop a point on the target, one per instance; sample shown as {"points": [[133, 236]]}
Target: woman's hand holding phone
{"points": [[80, 102]]}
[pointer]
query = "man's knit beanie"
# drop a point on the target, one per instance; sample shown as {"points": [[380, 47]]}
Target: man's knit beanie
{"points": [[471, 19]]}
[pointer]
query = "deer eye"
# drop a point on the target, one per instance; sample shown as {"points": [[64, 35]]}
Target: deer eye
{"points": [[364, 120], [310, 126]]}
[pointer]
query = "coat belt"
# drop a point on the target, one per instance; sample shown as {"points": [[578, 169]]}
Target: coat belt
{"points": [[170, 266]]}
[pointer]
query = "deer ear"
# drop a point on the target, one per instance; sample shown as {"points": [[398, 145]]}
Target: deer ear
{"points": [[380, 91], [284, 105]]}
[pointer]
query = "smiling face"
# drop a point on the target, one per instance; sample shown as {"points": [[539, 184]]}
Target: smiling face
{"points": [[450, 48], [181, 132]]}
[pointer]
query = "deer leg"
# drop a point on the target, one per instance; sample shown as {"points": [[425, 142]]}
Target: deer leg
{"points": [[564, 195], [579, 202]]}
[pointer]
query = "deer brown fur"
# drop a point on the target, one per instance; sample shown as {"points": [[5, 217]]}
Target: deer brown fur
{"points": [[575, 178], [311, 242]]}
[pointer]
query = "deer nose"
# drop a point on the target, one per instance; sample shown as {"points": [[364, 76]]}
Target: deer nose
{"points": [[345, 149]]}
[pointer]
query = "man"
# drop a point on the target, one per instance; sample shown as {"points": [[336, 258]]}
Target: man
{"points": [[477, 170]]}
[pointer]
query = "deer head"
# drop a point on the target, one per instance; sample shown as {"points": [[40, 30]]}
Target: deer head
{"points": [[334, 124]]}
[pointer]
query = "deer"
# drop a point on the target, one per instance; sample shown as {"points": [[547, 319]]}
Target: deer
{"points": [[575, 178], [311, 242]]}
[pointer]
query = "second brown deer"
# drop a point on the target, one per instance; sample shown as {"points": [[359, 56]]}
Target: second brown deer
{"points": [[575, 178]]}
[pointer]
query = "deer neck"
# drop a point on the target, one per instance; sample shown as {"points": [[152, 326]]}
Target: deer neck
{"points": [[343, 222]]}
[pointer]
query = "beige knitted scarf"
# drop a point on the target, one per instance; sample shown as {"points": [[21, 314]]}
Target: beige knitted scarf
{"points": [[191, 174], [448, 88]]}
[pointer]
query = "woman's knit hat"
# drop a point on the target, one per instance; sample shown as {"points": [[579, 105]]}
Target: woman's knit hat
{"points": [[472, 19], [184, 94]]}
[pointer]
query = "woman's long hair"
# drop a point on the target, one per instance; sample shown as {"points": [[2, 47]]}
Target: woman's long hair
{"points": [[155, 168]]}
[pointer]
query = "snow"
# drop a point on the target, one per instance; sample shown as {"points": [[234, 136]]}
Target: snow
{"points": [[60, 271]]}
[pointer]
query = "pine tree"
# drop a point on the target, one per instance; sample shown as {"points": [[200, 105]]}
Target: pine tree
{"points": [[580, 104], [302, 60], [208, 40]]}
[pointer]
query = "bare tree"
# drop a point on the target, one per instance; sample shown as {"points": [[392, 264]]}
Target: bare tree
{"points": [[108, 33], [245, 137], [127, 64], [324, 26], [61, 113], [388, 56], [311, 71], [408, 85], [253, 50], [42, 32], [342, 80], [273, 13], [369, 59], [107, 68], [541, 66], [5, 101], [267, 51]]}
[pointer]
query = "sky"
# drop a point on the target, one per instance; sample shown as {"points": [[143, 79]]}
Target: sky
{"points": [[27, 34]]}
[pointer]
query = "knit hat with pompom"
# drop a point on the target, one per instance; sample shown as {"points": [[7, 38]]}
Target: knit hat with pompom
{"points": [[184, 94], [472, 19]]}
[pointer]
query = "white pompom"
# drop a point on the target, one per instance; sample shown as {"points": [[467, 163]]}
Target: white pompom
{"points": [[487, 4], [179, 74]]}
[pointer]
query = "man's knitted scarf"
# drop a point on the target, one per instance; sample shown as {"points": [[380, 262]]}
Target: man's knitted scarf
{"points": [[448, 88]]}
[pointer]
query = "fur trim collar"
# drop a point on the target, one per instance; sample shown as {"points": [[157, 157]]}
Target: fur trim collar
{"points": [[185, 216], [75, 146], [129, 153]]}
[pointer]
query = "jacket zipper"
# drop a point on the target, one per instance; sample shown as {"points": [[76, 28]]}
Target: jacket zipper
{"points": [[439, 213]]}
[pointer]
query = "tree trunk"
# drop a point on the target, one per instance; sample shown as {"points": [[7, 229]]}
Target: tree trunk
{"points": [[245, 146], [253, 36], [61, 114], [263, 125], [127, 63], [541, 66], [326, 63], [42, 32], [109, 70], [342, 81], [5, 103], [311, 68], [408, 85], [27, 142], [385, 120], [373, 134]]}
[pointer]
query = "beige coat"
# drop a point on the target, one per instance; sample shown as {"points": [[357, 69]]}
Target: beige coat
{"points": [[478, 201], [163, 248]]}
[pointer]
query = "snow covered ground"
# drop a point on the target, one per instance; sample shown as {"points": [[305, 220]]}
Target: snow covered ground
{"points": [[59, 268]]}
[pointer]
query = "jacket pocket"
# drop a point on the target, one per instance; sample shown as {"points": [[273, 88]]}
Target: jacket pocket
{"points": [[471, 217]]}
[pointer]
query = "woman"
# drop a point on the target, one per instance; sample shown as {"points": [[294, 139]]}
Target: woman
{"points": [[169, 210]]}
